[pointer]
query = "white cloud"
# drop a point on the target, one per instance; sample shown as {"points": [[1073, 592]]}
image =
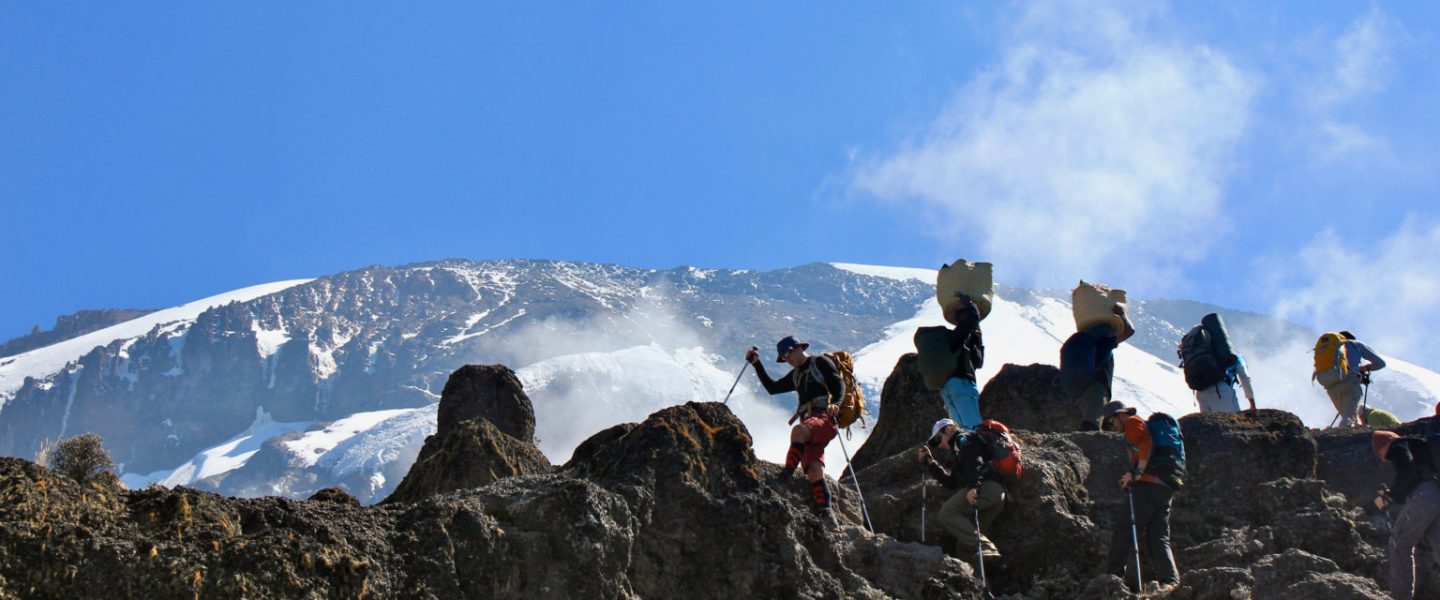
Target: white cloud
{"points": [[1361, 61], [1359, 67], [1093, 149], [1387, 293]]}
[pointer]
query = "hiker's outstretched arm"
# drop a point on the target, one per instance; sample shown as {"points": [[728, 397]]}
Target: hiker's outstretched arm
{"points": [[1243, 375], [786, 384]]}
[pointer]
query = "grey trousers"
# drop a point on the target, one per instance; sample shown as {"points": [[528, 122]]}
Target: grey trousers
{"points": [[958, 518], [1218, 398], [1418, 520], [1345, 394]]}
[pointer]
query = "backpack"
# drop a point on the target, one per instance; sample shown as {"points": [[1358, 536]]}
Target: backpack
{"points": [[1330, 357], [1004, 450], [1167, 450], [852, 406], [1197, 358]]}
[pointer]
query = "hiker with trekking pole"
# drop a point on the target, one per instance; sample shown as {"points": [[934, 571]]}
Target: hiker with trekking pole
{"points": [[829, 400], [1157, 471], [1343, 366], [1416, 492], [960, 460]]}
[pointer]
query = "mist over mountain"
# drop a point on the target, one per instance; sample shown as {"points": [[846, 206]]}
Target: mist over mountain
{"points": [[297, 386]]}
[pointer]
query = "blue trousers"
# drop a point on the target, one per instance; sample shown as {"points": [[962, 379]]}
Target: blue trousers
{"points": [[962, 401]]}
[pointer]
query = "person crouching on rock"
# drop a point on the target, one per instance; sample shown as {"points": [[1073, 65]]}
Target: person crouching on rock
{"points": [[960, 460], [817, 382], [1151, 496], [1414, 488]]}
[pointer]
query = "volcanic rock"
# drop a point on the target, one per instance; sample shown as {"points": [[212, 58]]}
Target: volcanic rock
{"points": [[907, 411], [1029, 398]]}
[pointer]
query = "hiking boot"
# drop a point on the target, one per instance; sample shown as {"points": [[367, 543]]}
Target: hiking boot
{"points": [[1160, 588], [827, 517]]}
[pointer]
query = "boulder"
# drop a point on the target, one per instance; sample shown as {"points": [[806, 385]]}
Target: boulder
{"points": [[1029, 398], [1229, 457], [907, 411], [487, 393], [484, 432]]}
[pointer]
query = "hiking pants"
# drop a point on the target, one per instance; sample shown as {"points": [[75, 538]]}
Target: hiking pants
{"points": [[962, 401], [1220, 397], [1152, 519], [1345, 394], [1092, 399], [1419, 519], [958, 517]]}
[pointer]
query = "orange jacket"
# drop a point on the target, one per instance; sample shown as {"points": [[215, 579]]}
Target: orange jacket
{"points": [[1138, 438]]}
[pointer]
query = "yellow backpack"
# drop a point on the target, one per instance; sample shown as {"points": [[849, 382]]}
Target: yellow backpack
{"points": [[852, 406], [1330, 354]]}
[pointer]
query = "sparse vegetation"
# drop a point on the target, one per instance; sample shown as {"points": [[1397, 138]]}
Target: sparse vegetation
{"points": [[82, 457]]}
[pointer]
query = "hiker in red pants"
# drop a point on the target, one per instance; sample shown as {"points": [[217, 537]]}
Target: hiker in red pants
{"points": [[817, 382]]}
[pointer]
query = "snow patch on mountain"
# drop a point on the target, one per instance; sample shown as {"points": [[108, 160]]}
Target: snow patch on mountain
{"points": [[226, 457], [43, 362]]}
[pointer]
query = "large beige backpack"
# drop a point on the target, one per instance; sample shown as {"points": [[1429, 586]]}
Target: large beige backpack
{"points": [[1093, 304]]}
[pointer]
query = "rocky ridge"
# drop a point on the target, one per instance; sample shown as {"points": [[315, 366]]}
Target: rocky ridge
{"points": [[676, 505]]}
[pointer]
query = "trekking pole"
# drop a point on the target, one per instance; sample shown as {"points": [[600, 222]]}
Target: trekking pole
{"points": [[853, 479], [979, 553], [1365, 400], [1332, 421], [737, 380], [924, 486], [1135, 541]]}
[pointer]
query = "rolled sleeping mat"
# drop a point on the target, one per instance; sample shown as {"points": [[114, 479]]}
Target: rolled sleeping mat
{"points": [[1092, 304], [975, 280], [1219, 340]]}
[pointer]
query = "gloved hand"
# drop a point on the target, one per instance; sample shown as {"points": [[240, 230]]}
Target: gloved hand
{"points": [[752, 355]]}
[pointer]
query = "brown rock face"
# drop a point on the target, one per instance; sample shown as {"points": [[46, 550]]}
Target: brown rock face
{"points": [[907, 411], [487, 393], [1028, 398], [475, 451]]}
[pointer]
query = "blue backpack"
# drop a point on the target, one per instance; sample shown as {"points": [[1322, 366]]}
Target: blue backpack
{"points": [[1167, 454]]}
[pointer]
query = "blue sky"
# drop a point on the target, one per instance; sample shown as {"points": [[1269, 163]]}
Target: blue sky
{"points": [[1273, 156]]}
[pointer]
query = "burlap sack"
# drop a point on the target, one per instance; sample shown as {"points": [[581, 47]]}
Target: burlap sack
{"points": [[1093, 303], [964, 277]]}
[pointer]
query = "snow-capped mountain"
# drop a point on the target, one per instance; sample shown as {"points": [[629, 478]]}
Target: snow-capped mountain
{"points": [[295, 386]]}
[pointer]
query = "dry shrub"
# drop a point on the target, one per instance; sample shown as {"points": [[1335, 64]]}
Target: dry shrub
{"points": [[81, 458]]}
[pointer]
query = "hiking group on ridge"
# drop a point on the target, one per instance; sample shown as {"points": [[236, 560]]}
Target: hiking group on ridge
{"points": [[978, 459]]}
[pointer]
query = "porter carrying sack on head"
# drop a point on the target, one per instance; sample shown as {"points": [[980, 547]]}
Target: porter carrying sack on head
{"points": [[964, 277], [1093, 304]]}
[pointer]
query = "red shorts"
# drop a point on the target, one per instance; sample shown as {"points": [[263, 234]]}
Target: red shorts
{"points": [[822, 430]]}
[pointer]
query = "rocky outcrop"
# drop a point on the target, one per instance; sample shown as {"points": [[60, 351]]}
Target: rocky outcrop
{"points": [[670, 507], [677, 505], [71, 326], [484, 433], [907, 411], [1253, 520], [1029, 398]]}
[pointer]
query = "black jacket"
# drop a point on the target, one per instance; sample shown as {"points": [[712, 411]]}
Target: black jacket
{"points": [[966, 336], [1411, 458], [964, 465], [817, 382]]}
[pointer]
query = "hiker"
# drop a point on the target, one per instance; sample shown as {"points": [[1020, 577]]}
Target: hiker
{"points": [[1151, 488], [1087, 365], [961, 396], [1413, 488], [820, 387], [959, 460], [1221, 397], [1346, 387], [1377, 418]]}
